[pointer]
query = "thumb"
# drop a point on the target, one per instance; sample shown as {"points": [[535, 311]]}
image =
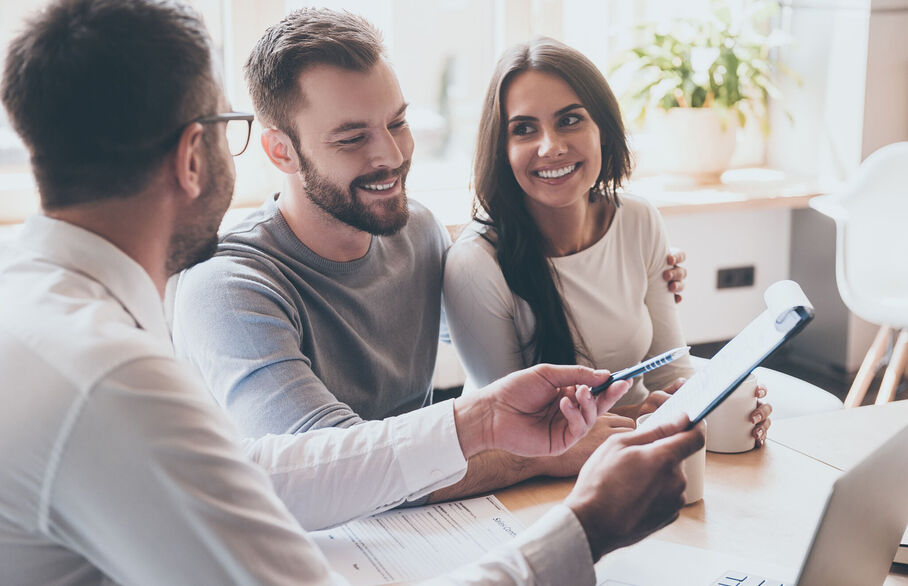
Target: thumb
{"points": [[560, 375], [607, 400], [648, 436]]}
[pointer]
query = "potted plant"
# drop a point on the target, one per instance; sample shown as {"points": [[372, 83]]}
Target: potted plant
{"points": [[705, 78]]}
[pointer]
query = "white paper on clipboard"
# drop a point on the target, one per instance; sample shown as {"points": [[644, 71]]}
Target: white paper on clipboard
{"points": [[787, 311]]}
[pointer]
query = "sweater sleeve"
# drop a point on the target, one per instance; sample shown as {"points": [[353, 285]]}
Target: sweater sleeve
{"points": [[480, 310], [236, 322]]}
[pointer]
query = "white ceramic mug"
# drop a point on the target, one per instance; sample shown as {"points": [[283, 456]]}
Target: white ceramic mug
{"points": [[730, 427], [694, 468]]}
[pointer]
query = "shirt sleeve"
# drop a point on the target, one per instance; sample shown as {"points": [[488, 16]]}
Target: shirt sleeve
{"points": [[320, 474], [554, 550], [236, 321], [660, 303], [480, 310], [149, 487]]}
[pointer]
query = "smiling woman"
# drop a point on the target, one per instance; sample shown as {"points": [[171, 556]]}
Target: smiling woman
{"points": [[555, 267]]}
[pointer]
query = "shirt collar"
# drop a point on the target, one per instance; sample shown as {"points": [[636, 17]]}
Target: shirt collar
{"points": [[79, 250]]}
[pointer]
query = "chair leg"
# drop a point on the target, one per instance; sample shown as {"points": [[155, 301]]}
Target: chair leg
{"points": [[867, 371], [894, 371]]}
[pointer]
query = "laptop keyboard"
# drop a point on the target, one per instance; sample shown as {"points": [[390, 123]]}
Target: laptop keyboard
{"points": [[733, 578]]}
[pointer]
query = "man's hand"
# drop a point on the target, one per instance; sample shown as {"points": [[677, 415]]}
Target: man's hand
{"points": [[651, 403], [570, 462], [633, 485], [540, 411], [676, 274]]}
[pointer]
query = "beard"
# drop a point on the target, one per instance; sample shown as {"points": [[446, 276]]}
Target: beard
{"points": [[195, 239], [381, 218]]}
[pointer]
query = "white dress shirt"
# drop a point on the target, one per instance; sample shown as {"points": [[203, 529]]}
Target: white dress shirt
{"points": [[117, 467]]}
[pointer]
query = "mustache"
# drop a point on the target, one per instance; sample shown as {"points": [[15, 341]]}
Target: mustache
{"points": [[382, 175]]}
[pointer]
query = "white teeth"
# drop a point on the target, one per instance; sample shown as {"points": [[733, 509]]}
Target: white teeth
{"points": [[555, 173], [379, 186]]}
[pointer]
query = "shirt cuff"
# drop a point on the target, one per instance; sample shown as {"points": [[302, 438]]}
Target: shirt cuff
{"points": [[427, 449], [557, 550]]}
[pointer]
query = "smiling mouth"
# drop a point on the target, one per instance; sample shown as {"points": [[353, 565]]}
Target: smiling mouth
{"points": [[379, 187], [556, 173]]}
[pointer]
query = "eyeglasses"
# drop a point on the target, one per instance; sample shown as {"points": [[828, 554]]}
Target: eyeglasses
{"points": [[239, 127]]}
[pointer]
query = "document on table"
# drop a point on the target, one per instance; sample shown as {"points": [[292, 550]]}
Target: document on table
{"points": [[417, 543]]}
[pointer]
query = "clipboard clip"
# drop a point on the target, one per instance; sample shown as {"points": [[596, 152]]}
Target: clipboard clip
{"points": [[793, 318]]}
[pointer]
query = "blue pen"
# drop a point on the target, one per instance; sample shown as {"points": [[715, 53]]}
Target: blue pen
{"points": [[645, 366]]}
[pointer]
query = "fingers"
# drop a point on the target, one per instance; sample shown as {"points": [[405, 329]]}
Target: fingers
{"points": [[761, 413], [619, 421], [559, 375], [760, 416], [657, 433], [677, 298], [675, 256], [760, 391], [607, 399], [675, 277], [760, 432], [677, 384], [683, 444], [580, 416], [588, 405]]}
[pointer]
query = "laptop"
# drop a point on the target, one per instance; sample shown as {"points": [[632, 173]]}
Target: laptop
{"points": [[854, 543]]}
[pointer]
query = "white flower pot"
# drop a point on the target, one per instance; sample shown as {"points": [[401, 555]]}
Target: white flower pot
{"points": [[695, 142]]}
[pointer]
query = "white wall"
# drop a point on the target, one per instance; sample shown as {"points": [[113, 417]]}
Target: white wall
{"points": [[723, 240]]}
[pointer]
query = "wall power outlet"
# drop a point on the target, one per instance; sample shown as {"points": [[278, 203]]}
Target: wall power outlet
{"points": [[735, 277]]}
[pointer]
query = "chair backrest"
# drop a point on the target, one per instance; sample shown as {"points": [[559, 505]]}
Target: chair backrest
{"points": [[871, 215]]}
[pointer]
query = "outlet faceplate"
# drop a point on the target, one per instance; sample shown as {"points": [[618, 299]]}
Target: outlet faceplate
{"points": [[735, 277]]}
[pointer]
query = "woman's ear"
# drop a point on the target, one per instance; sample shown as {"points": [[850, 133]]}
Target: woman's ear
{"points": [[189, 158], [280, 151]]}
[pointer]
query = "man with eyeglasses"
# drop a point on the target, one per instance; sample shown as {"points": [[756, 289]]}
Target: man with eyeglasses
{"points": [[116, 466], [323, 308]]}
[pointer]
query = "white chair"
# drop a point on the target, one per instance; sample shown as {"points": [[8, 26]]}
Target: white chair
{"points": [[871, 217]]}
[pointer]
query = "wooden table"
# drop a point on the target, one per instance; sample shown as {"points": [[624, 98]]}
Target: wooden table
{"points": [[763, 504]]}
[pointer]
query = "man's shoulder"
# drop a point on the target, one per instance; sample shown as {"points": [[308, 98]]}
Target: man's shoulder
{"points": [[424, 226], [77, 330], [252, 247]]}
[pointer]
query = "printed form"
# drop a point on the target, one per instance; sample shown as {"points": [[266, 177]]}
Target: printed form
{"points": [[417, 543]]}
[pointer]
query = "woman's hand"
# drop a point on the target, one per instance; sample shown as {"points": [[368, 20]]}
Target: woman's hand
{"points": [[656, 398], [676, 274], [760, 416]]}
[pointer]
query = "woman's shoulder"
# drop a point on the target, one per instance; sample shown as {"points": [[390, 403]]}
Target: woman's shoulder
{"points": [[473, 256], [639, 210], [635, 204], [474, 240]]}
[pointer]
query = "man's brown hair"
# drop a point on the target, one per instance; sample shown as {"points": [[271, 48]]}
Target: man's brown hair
{"points": [[303, 39]]}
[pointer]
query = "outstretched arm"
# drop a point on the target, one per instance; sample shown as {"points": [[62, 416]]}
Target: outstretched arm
{"points": [[531, 418]]}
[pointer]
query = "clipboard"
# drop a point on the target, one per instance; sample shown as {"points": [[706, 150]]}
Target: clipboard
{"points": [[787, 312]]}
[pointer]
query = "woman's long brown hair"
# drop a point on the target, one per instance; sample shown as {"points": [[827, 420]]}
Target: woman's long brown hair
{"points": [[500, 203]]}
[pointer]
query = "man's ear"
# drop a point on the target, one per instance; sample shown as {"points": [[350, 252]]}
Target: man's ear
{"points": [[280, 151], [189, 158]]}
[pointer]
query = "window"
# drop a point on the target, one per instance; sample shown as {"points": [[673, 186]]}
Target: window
{"points": [[443, 52]]}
